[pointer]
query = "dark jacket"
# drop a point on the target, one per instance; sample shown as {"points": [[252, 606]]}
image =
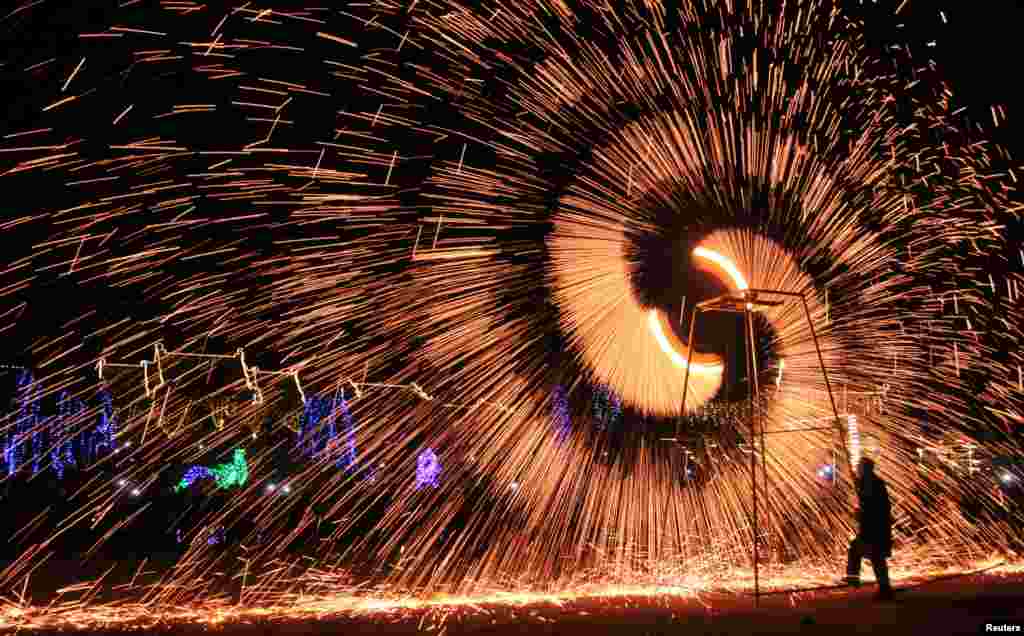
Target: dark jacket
{"points": [[875, 514]]}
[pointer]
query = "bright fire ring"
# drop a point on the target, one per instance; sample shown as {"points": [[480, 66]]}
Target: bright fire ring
{"points": [[671, 346]]}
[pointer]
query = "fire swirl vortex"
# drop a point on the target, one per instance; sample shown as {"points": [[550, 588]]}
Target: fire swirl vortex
{"points": [[507, 192]]}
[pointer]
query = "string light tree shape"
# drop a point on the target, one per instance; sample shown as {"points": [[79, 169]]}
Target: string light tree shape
{"points": [[747, 301], [28, 396]]}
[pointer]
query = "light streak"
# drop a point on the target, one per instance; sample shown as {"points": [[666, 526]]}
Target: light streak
{"points": [[560, 165], [726, 265], [654, 321]]}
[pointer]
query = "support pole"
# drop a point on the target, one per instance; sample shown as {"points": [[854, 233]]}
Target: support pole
{"points": [[686, 386], [828, 386], [752, 383], [758, 420], [686, 374]]}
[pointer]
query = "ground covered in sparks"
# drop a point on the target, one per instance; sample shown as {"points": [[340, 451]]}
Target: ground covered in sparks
{"points": [[942, 603]]}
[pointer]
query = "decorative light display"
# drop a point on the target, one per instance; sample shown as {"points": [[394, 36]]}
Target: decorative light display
{"points": [[217, 536], [965, 459], [192, 475], [318, 429], [69, 410], [37, 441], [348, 454], [62, 453], [107, 428], [31, 403], [35, 433], [607, 408], [234, 473], [312, 436], [428, 469], [827, 473], [560, 417], [853, 433], [957, 455], [28, 411]]}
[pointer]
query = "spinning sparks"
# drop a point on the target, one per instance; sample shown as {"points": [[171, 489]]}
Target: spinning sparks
{"points": [[459, 223]]}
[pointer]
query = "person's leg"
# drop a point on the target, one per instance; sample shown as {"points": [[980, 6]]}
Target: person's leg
{"points": [[853, 559], [878, 563]]}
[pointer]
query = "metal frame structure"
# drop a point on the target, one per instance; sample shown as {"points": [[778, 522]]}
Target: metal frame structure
{"points": [[251, 376], [745, 302]]}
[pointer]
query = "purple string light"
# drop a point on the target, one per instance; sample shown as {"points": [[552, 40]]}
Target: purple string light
{"points": [[428, 469]]}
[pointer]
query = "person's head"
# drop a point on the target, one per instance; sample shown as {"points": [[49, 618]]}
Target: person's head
{"points": [[866, 468]]}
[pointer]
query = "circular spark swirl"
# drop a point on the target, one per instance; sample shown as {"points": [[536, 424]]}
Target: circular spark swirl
{"points": [[440, 212]]}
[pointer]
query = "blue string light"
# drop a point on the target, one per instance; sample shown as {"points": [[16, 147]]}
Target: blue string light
{"points": [[26, 433], [330, 431], [34, 399], [607, 408], [560, 417], [68, 410], [312, 436], [192, 475], [108, 424], [347, 460], [319, 429], [57, 431], [428, 469]]}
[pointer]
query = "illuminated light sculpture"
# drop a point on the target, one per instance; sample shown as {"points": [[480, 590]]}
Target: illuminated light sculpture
{"points": [[217, 536], [607, 408], [72, 409], [233, 473], [24, 417], [192, 475], [560, 417], [428, 469], [62, 453], [347, 460], [853, 433], [9, 462], [31, 403], [329, 432], [312, 435], [27, 422], [318, 429], [107, 428]]}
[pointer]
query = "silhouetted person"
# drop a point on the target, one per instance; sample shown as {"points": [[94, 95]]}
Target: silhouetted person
{"points": [[874, 538]]}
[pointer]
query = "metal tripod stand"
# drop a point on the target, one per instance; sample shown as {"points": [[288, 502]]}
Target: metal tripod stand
{"points": [[747, 302]]}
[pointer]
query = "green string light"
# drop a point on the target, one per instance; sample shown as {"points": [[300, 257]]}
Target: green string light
{"points": [[234, 473]]}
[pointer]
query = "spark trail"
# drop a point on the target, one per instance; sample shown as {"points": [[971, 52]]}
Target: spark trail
{"points": [[463, 199]]}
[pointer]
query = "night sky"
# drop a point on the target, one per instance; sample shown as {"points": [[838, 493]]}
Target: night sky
{"points": [[976, 46]]}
